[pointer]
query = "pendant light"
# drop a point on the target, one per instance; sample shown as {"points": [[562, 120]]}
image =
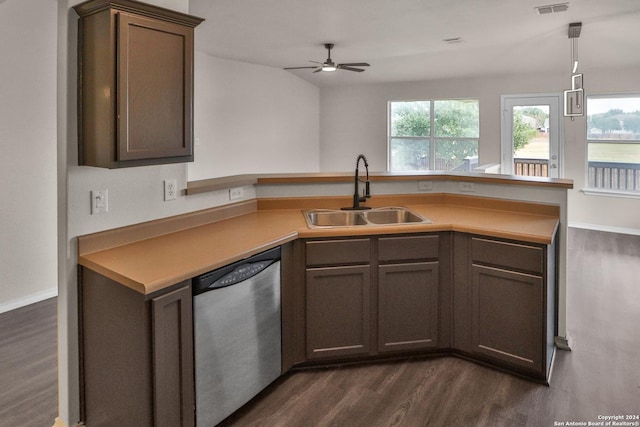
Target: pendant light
{"points": [[574, 97]]}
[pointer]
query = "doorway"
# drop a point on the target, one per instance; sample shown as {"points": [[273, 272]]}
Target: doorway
{"points": [[531, 129]]}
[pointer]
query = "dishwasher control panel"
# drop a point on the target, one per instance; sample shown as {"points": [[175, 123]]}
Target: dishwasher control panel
{"points": [[236, 272], [241, 273]]}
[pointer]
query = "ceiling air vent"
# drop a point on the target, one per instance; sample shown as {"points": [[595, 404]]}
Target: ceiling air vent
{"points": [[552, 8]]}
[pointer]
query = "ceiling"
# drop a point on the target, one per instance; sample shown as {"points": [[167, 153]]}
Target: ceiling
{"points": [[403, 39]]}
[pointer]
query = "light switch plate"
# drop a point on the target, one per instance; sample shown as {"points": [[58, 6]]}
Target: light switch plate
{"points": [[99, 201]]}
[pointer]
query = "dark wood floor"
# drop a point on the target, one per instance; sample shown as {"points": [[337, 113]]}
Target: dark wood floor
{"points": [[29, 366], [601, 376]]}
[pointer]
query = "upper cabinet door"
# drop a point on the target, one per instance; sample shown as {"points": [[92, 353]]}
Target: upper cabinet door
{"points": [[154, 92], [135, 84]]}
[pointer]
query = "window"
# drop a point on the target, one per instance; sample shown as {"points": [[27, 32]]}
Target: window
{"points": [[613, 143], [445, 140]]}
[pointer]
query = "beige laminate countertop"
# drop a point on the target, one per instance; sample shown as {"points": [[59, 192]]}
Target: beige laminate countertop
{"points": [[154, 263]]}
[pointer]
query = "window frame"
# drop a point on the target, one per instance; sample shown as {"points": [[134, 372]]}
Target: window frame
{"points": [[432, 138], [601, 191]]}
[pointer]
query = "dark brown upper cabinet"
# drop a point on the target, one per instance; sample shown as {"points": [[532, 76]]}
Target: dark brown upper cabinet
{"points": [[135, 80]]}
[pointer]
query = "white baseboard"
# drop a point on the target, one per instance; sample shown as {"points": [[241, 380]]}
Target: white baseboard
{"points": [[29, 299], [608, 228]]}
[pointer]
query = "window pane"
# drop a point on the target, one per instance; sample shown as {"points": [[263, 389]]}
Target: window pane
{"points": [[457, 155], [531, 142], [613, 136], [410, 118], [457, 118], [613, 118], [409, 154]]}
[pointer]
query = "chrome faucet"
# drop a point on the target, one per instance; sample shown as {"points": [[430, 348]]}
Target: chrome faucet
{"points": [[357, 199]]}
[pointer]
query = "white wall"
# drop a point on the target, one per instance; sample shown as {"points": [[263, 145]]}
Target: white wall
{"points": [[356, 116], [252, 119], [28, 264], [353, 120]]}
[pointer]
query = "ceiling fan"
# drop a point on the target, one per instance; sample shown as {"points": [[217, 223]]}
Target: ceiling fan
{"points": [[328, 65]]}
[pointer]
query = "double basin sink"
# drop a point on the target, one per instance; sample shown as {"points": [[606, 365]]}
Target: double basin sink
{"points": [[329, 218]]}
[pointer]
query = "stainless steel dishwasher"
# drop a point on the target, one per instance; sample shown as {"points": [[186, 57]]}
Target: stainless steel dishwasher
{"points": [[237, 334]]}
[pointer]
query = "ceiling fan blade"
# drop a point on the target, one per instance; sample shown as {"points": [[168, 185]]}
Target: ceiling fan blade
{"points": [[298, 68], [355, 64], [343, 67], [316, 62], [318, 70]]}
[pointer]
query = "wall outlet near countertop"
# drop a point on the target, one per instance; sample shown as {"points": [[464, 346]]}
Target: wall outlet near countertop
{"points": [[468, 187], [236, 193], [425, 185], [170, 189]]}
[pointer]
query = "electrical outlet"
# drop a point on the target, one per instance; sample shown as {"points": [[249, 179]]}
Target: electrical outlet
{"points": [[425, 185], [468, 187], [170, 189], [236, 193], [99, 202]]}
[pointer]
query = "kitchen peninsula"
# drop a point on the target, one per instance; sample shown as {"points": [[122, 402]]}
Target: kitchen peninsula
{"points": [[484, 261]]}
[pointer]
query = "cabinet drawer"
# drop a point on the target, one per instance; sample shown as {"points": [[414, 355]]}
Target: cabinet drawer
{"points": [[406, 248], [512, 255], [338, 252]]}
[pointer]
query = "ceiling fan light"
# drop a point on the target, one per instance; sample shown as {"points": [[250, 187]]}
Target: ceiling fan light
{"points": [[329, 67]]}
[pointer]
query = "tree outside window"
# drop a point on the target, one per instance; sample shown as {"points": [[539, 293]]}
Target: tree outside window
{"points": [[446, 140]]}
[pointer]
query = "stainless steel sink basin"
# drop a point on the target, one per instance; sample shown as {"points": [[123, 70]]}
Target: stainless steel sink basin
{"points": [[329, 218], [393, 216]]}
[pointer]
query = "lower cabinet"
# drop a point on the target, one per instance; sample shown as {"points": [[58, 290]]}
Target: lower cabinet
{"points": [[488, 299], [172, 342], [512, 300], [337, 298], [408, 306], [136, 354], [338, 311], [365, 296], [507, 316]]}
